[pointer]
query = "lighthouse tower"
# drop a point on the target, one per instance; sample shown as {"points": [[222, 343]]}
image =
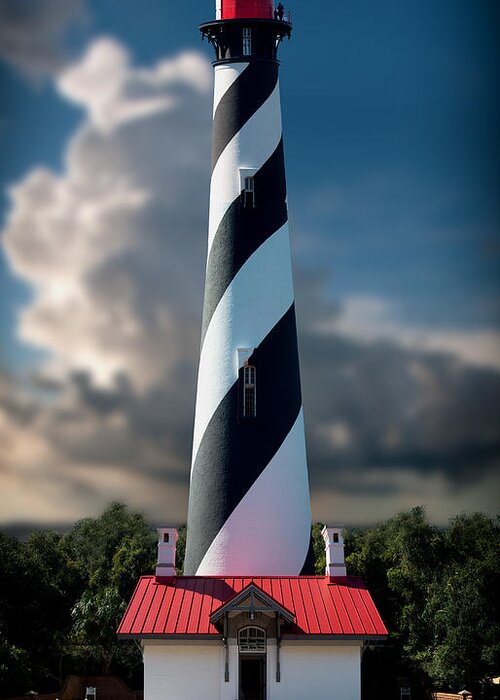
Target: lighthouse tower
{"points": [[249, 509], [247, 620]]}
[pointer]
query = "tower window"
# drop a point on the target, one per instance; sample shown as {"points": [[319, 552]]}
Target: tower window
{"points": [[249, 392], [248, 193], [247, 42]]}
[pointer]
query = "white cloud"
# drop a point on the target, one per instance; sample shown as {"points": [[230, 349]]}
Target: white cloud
{"points": [[113, 93], [111, 245]]}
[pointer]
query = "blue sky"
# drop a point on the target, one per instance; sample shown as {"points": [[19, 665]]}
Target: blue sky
{"points": [[391, 135]]}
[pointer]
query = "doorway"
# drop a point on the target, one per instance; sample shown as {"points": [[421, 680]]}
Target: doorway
{"points": [[252, 677]]}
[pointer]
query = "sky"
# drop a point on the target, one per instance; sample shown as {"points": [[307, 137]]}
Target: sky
{"points": [[390, 113]]}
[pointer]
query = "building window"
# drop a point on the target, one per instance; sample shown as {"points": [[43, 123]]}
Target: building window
{"points": [[248, 193], [252, 640], [247, 42], [249, 391]]}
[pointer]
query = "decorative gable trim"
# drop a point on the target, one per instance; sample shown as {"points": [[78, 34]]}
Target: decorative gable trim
{"points": [[251, 600]]}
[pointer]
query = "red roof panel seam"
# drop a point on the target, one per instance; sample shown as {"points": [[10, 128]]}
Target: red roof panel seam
{"points": [[359, 607], [288, 598], [300, 607], [348, 594], [368, 610], [135, 609], [164, 611], [314, 612], [327, 594], [322, 603], [184, 611], [340, 609], [204, 625], [151, 625], [194, 615], [146, 604], [180, 595]]}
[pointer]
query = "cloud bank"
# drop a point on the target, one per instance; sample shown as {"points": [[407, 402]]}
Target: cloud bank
{"points": [[32, 33], [113, 249]]}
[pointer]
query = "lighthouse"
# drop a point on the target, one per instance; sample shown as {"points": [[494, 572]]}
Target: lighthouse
{"points": [[247, 619], [249, 509]]}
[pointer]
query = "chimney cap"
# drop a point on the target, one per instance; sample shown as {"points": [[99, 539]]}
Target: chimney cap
{"points": [[329, 530], [165, 563]]}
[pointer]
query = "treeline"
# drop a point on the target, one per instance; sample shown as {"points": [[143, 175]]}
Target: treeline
{"points": [[62, 597]]}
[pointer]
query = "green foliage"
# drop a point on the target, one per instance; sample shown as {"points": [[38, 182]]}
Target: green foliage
{"points": [[62, 597], [180, 550], [15, 671], [101, 547], [96, 617], [319, 549], [437, 593]]}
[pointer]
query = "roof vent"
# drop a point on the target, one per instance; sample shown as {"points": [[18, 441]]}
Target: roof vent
{"points": [[334, 546], [167, 539]]}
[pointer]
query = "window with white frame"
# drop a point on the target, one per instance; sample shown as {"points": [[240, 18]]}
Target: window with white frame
{"points": [[248, 193], [249, 391], [247, 42], [252, 640]]}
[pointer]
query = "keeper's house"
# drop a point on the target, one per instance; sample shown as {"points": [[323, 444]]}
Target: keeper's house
{"points": [[252, 638]]}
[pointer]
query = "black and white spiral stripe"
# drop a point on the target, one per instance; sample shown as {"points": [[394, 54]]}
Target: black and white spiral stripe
{"points": [[249, 496]]}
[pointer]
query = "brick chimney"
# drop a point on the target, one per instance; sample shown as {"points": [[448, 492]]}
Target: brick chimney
{"points": [[334, 546], [167, 538]]}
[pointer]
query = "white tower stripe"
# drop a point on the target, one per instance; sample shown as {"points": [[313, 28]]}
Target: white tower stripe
{"points": [[263, 517], [225, 76]]}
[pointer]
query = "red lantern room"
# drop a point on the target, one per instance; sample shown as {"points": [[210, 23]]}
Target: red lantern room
{"points": [[245, 9]]}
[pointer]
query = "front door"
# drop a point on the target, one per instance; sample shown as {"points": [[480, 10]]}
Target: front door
{"points": [[252, 677]]}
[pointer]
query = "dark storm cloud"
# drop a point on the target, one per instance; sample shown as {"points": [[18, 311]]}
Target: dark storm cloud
{"points": [[378, 405], [32, 32], [367, 406]]}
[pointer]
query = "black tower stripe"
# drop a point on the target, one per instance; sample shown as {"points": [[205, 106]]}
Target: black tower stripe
{"points": [[234, 451], [242, 231], [240, 102]]}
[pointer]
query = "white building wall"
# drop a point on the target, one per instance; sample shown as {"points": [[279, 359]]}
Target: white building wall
{"points": [[319, 673], [182, 672], [191, 671]]}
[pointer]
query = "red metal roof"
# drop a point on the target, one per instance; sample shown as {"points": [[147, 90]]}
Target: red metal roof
{"points": [[183, 605]]}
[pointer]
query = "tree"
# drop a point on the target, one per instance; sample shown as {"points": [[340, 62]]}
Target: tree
{"points": [[113, 551], [96, 617], [319, 549], [61, 598], [437, 593], [463, 613], [100, 547]]}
